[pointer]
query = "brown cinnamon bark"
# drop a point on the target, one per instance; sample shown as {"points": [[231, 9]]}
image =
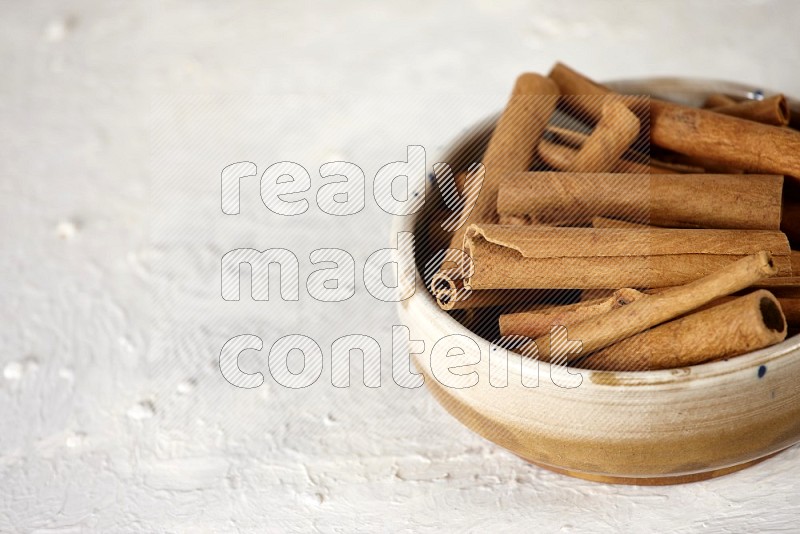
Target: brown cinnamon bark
{"points": [[656, 167], [671, 167], [773, 110], [516, 257], [605, 222], [740, 325], [578, 91], [575, 139], [789, 304], [783, 286], [610, 139], [730, 141], [670, 200], [567, 136], [718, 100], [561, 157], [513, 220], [535, 323], [680, 161], [447, 287], [512, 144], [603, 330], [705, 135]]}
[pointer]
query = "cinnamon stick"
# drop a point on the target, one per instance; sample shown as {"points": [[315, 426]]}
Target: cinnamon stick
{"points": [[576, 139], [740, 325], [537, 322], [611, 137], [789, 304], [682, 161], [561, 157], [447, 287], [605, 222], [783, 286], [773, 110], [718, 100], [603, 330], [656, 167], [586, 97], [672, 167], [512, 144], [671, 200], [730, 141], [515, 257], [567, 136]]}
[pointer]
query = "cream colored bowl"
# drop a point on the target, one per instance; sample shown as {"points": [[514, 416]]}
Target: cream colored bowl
{"points": [[656, 427]]}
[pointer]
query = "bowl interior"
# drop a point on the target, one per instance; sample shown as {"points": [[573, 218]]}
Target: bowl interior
{"points": [[468, 148]]}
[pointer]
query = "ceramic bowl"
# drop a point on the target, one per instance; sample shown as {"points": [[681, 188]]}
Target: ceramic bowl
{"points": [[655, 427]]}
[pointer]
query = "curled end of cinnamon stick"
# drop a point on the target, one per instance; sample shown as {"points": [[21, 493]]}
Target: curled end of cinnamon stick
{"points": [[784, 114], [444, 290], [622, 119], [530, 83], [764, 263], [772, 315]]}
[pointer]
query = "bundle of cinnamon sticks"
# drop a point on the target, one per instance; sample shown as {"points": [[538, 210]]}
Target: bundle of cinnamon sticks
{"points": [[675, 223]]}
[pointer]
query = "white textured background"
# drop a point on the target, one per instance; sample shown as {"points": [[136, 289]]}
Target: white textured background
{"points": [[116, 120]]}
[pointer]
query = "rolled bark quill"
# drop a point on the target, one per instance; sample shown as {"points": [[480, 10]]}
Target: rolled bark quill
{"points": [[517, 257], [731, 141], [740, 325], [513, 220], [718, 100], [656, 167], [512, 146], [577, 90], [682, 161], [789, 305], [456, 298], [632, 162], [773, 110], [612, 136], [447, 287], [605, 222], [560, 157], [576, 139], [567, 136], [786, 286], [603, 330], [750, 201], [663, 167], [537, 322]]}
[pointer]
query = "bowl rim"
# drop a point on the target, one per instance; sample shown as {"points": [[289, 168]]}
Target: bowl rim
{"points": [[704, 371]]}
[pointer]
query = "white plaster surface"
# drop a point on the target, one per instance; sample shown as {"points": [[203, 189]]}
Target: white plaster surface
{"points": [[116, 119]]}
